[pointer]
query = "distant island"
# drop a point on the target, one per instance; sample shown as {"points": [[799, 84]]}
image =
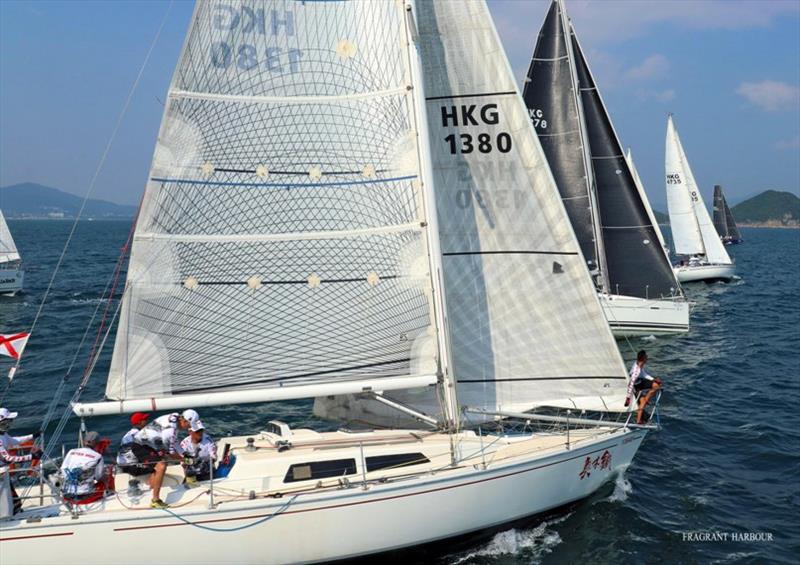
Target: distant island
{"points": [[770, 209], [34, 201]]}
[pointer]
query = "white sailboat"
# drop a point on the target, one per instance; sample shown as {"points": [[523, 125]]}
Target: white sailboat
{"points": [[693, 233], [321, 229], [11, 273], [608, 208]]}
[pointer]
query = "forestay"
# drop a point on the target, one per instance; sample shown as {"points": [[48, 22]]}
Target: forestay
{"points": [[8, 249], [282, 236], [692, 229], [525, 324]]}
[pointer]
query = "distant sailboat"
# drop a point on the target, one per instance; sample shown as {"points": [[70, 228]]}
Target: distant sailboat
{"points": [[372, 218], [693, 233], [723, 219], [11, 273], [608, 208]]}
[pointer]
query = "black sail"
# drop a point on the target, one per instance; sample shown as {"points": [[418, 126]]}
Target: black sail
{"points": [[733, 230], [552, 106], [720, 222], [635, 261]]}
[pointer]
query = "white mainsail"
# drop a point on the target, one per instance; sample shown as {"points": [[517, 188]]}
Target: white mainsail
{"points": [[692, 229], [282, 239], [8, 249]]}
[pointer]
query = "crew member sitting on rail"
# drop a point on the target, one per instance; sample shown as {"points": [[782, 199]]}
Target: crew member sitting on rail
{"points": [[162, 436], [82, 468], [11, 443], [199, 454], [640, 381]]}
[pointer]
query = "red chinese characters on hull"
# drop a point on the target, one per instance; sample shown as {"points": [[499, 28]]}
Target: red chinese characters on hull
{"points": [[600, 462]]}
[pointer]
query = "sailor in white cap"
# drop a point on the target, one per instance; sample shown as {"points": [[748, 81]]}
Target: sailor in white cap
{"points": [[199, 454], [8, 443], [82, 468]]}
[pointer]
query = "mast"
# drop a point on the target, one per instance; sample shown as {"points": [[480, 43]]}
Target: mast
{"points": [[447, 383], [587, 157]]}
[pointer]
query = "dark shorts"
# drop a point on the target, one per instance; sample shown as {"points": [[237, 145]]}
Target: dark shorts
{"points": [[643, 384], [146, 458]]}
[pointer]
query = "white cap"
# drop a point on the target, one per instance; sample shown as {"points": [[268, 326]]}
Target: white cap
{"points": [[5, 414], [197, 425], [190, 415]]}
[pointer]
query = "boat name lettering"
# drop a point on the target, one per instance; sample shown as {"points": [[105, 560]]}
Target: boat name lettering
{"points": [[228, 18], [600, 462], [537, 117], [674, 178], [247, 57]]}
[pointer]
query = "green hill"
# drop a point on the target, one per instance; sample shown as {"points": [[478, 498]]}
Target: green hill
{"points": [[31, 200], [771, 208]]}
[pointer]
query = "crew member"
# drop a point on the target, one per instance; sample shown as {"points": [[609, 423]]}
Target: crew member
{"points": [[641, 380], [8, 442], [132, 457], [162, 436], [82, 468], [199, 454]]}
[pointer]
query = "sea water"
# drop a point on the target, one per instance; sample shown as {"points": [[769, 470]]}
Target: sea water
{"points": [[719, 483]]}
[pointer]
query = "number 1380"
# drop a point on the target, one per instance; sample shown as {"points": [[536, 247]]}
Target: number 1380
{"points": [[483, 143]]}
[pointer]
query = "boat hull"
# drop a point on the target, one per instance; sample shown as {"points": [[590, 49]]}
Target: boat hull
{"points": [[341, 524], [631, 316], [11, 281], [707, 273]]}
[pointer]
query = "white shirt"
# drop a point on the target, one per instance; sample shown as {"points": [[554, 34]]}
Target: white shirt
{"points": [[205, 450], [87, 467], [637, 373], [161, 433], [8, 442], [129, 437]]}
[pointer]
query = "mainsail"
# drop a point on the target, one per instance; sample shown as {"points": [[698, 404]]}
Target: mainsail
{"points": [[646, 201], [619, 227], [723, 218], [282, 239], [8, 249], [692, 229]]}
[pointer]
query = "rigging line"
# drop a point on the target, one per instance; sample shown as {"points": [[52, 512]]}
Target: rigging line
{"points": [[92, 183], [279, 511]]}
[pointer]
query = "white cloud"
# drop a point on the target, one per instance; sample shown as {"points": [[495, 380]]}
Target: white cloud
{"points": [[654, 67], [770, 95], [790, 144], [662, 96]]}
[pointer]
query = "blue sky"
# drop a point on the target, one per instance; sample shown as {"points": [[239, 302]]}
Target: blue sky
{"points": [[728, 69]]}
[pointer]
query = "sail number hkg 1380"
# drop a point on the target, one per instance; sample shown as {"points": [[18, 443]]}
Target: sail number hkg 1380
{"points": [[467, 115]]}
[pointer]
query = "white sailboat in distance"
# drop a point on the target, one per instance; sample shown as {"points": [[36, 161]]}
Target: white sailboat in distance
{"points": [[11, 273], [693, 233], [316, 224]]}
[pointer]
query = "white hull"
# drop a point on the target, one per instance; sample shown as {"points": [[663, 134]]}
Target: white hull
{"points": [[339, 523], [705, 272], [10, 281], [631, 316]]}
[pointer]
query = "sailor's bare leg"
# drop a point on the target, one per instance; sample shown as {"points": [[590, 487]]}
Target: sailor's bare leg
{"points": [[644, 400], [157, 478]]}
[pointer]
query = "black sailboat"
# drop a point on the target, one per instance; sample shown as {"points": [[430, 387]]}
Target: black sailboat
{"points": [[608, 214], [723, 219]]}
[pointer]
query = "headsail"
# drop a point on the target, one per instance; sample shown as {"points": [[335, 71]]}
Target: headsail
{"points": [[282, 240], [723, 218], [619, 226], [525, 324], [692, 229], [646, 201], [8, 249]]}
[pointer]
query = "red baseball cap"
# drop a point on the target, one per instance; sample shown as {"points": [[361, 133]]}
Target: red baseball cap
{"points": [[139, 418]]}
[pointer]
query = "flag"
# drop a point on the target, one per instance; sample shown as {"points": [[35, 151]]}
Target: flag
{"points": [[13, 344]]}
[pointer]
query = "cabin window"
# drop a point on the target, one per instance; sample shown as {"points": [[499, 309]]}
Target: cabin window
{"points": [[395, 460], [320, 470]]}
